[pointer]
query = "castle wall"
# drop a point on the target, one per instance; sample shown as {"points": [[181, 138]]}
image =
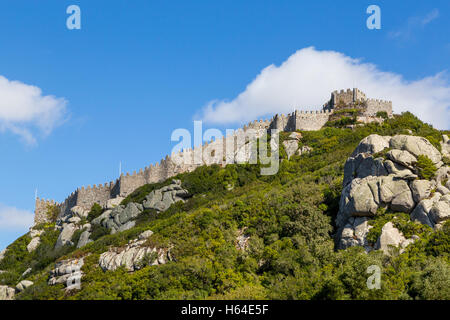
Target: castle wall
{"points": [[313, 120], [128, 183], [86, 197], [212, 152], [284, 122], [375, 105], [69, 202], [358, 95], [41, 209], [344, 96]]}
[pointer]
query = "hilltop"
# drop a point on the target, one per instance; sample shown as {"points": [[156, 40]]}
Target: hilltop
{"points": [[225, 231]]}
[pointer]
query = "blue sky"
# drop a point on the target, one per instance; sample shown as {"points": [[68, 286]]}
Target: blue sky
{"points": [[137, 70]]}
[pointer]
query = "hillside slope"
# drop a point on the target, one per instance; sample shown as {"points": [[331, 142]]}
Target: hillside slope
{"points": [[235, 234]]}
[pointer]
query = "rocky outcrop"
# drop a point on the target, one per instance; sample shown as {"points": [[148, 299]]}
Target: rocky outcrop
{"points": [[7, 293], [65, 270], [355, 233], [422, 211], [242, 240], [22, 285], [373, 184], [391, 237], [121, 217], [416, 146], [445, 146], [65, 237], [163, 198], [440, 211], [134, 255], [79, 212], [421, 189], [35, 239], [26, 272], [112, 203], [291, 144], [84, 238], [304, 150], [69, 224], [2, 254], [372, 144]]}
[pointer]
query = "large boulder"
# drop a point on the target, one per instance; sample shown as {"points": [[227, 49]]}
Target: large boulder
{"points": [[358, 199], [7, 293], [84, 239], [421, 212], [440, 211], [120, 218], [34, 243], [445, 146], [442, 174], [163, 198], [391, 237], [291, 147], [363, 197], [399, 171], [421, 189], [79, 212], [105, 215], [416, 146], [64, 270], [402, 157], [22, 285], [355, 233], [112, 203], [35, 233], [372, 144], [65, 237], [391, 182], [134, 255], [442, 190], [291, 143], [361, 166]]}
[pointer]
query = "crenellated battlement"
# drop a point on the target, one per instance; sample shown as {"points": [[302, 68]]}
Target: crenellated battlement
{"points": [[41, 210], [188, 160]]}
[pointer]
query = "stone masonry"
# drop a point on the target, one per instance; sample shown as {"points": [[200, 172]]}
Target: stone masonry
{"points": [[170, 166]]}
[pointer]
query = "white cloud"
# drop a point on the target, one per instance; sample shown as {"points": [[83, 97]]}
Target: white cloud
{"points": [[12, 218], [25, 112], [430, 16], [305, 80], [413, 24]]}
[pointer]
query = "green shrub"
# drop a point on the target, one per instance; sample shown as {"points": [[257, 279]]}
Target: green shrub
{"points": [[426, 167], [98, 231], [382, 114], [96, 211], [289, 219], [446, 161], [52, 212], [140, 193]]}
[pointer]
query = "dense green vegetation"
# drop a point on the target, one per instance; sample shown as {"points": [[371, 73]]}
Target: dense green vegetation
{"points": [[95, 212], [289, 219], [382, 114], [426, 167]]}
